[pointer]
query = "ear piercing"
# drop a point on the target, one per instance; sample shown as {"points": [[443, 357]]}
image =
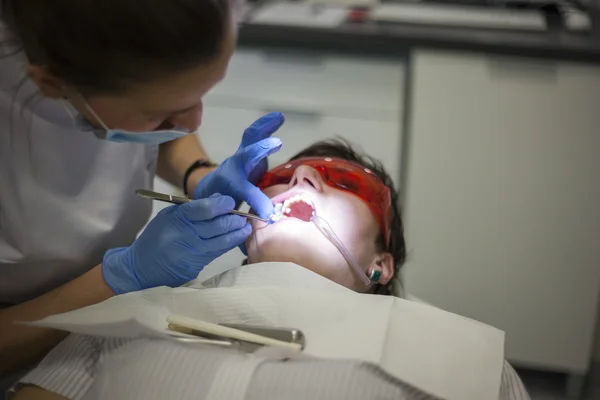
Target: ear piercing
{"points": [[374, 275]]}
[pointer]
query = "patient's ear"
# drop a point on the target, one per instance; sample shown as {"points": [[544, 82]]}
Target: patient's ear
{"points": [[383, 262]]}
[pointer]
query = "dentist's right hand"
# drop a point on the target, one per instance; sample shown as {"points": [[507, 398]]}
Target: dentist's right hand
{"points": [[176, 245]]}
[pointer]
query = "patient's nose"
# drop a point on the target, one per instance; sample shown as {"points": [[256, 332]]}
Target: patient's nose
{"points": [[305, 175]]}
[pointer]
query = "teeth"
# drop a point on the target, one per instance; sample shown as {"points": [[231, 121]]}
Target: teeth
{"points": [[282, 208], [278, 213], [295, 199]]}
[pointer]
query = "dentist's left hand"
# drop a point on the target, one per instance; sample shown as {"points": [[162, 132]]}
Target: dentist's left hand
{"points": [[176, 245], [237, 175]]}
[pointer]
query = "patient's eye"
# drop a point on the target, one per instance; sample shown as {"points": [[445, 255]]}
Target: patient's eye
{"points": [[348, 184]]}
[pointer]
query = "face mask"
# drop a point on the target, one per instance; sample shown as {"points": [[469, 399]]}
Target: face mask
{"points": [[123, 136]]}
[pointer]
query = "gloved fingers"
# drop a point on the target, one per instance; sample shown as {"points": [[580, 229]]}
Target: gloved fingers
{"points": [[219, 226], [255, 153], [258, 171], [262, 128], [228, 241], [258, 201], [206, 209]]}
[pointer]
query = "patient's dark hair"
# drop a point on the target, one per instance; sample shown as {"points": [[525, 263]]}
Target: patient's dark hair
{"points": [[104, 46], [339, 148]]}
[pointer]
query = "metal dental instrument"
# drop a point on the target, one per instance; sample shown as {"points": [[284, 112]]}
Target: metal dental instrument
{"points": [[149, 194], [288, 335], [179, 323]]}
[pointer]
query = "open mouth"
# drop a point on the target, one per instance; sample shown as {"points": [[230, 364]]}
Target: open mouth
{"points": [[298, 206]]}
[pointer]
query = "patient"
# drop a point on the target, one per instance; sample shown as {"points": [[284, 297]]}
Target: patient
{"points": [[354, 194]]}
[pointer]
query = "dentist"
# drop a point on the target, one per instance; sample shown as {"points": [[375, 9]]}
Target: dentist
{"points": [[95, 96]]}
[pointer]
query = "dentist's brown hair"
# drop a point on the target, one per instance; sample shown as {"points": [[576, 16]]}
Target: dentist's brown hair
{"points": [[104, 46]]}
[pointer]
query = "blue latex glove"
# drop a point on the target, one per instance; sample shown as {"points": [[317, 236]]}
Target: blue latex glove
{"points": [[237, 175], [176, 245]]}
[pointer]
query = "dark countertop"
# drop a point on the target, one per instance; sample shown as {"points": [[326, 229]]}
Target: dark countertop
{"points": [[397, 39]]}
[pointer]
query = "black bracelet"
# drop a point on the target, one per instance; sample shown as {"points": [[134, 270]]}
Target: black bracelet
{"points": [[196, 165]]}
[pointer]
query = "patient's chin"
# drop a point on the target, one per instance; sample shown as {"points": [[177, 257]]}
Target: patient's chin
{"points": [[285, 248], [308, 249]]}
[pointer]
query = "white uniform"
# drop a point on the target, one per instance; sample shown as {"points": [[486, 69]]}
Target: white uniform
{"points": [[65, 195]]}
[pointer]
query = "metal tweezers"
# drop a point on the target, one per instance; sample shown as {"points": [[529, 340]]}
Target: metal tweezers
{"points": [[282, 334]]}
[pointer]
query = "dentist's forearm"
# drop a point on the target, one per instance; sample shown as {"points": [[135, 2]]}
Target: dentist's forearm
{"points": [[21, 345], [176, 156]]}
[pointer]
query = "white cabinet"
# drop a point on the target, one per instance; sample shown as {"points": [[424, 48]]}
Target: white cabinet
{"points": [[321, 95], [503, 199], [331, 84]]}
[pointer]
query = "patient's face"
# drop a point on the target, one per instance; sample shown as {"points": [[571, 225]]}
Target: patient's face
{"points": [[293, 240]]}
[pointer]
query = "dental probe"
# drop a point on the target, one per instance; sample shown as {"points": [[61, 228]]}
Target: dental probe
{"points": [[149, 194]]}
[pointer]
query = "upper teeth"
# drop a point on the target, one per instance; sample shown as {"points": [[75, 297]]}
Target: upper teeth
{"points": [[296, 199]]}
